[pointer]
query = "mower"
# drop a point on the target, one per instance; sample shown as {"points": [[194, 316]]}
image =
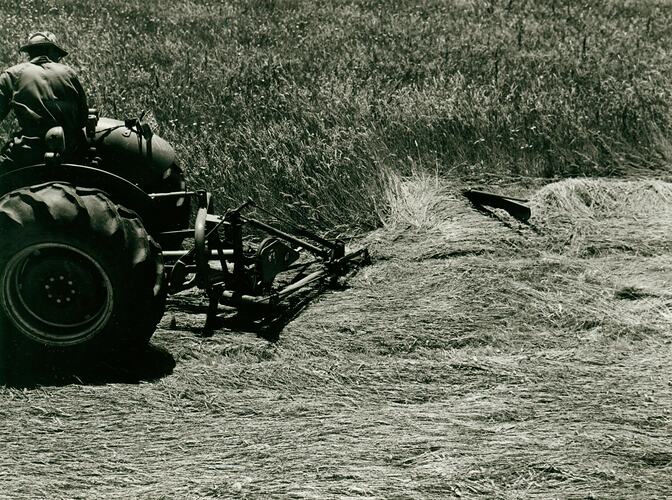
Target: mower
{"points": [[92, 247]]}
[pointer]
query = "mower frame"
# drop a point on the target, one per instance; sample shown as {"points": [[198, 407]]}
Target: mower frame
{"points": [[245, 278]]}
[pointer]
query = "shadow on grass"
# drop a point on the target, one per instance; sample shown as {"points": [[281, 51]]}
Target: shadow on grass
{"points": [[139, 365]]}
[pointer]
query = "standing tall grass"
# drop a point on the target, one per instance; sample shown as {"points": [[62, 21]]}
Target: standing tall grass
{"points": [[306, 105]]}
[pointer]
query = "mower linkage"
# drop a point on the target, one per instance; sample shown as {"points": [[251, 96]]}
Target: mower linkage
{"points": [[244, 273]]}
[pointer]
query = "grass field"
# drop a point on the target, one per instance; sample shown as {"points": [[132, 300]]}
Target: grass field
{"points": [[476, 357], [308, 104]]}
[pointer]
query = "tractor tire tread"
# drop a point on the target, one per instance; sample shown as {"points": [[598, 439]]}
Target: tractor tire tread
{"points": [[87, 213]]}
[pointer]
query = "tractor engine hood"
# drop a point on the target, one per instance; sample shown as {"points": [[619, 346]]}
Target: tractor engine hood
{"points": [[122, 144]]}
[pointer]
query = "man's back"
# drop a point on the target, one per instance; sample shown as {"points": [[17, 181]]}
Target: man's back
{"points": [[43, 94]]}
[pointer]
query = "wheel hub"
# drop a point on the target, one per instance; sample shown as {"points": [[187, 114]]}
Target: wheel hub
{"points": [[56, 294]]}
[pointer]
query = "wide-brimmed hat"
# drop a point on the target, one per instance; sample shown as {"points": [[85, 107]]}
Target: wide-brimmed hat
{"points": [[41, 39]]}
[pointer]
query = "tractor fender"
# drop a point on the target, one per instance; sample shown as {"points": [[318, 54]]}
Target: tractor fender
{"points": [[117, 188]]}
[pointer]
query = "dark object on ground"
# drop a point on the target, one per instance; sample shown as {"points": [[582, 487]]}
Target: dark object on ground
{"points": [[91, 249], [514, 206]]}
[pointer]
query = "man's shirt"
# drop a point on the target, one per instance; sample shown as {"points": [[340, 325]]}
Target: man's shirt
{"points": [[43, 94]]}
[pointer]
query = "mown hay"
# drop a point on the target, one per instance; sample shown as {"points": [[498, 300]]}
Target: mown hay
{"points": [[457, 365], [588, 217]]}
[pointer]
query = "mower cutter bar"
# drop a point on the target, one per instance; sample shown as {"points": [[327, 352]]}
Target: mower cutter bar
{"points": [[334, 268], [245, 276]]}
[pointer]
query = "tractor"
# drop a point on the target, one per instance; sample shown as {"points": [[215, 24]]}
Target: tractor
{"points": [[90, 249]]}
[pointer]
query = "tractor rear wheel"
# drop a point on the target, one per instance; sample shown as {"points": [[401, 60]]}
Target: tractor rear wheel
{"points": [[79, 275]]}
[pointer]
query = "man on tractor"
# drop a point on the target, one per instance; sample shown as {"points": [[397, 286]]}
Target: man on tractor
{"points": [[43, 93]]}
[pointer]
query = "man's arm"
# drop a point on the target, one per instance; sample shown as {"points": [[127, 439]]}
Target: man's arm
{"points": [[6, 94], [82, 105]]}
